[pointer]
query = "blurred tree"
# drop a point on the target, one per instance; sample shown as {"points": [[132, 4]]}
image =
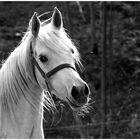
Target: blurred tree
{"points": [[68, 19], [94, 48], [103, 131], [110, 57], [81, 10]]}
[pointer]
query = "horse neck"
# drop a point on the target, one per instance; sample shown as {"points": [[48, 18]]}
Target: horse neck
{"points": [[17, 87]]}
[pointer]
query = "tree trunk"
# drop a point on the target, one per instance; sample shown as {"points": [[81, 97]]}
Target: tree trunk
{"points": [[94, 48], [103, 79], [110, 69], [68, 20]]}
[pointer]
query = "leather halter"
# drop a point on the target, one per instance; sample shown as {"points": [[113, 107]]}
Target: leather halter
{"points": [[47, 76]]}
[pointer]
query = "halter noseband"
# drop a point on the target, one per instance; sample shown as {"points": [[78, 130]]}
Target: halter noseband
{"points": [[47, 76]]}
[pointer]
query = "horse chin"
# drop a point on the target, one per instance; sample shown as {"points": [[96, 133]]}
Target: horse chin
{"points": [[74, 106]]}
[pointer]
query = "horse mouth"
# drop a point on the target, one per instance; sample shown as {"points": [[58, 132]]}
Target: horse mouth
{"points": [[70, 103], [73, 105]]}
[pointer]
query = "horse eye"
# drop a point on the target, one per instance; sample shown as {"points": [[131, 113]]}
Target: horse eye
{"points": [[43, 59]]}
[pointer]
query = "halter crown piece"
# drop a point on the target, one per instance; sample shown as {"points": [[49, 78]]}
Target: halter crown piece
{"points": [[47, 76]]}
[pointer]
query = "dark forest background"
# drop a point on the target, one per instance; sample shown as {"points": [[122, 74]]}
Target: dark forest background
{"points": [[115, 109]]}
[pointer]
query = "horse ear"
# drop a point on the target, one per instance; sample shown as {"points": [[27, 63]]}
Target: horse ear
{"points": [[35, 24], [57, 22]]}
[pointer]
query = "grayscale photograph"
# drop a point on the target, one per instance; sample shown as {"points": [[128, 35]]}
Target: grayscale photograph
{"points": [[69, 69]]}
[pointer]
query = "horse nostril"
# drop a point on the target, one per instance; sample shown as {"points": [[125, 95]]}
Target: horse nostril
{"points": [[86, 90], [80, 93], [75, 92]]}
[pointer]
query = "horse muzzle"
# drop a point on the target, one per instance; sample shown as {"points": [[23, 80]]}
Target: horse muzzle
{"points": [[79, 96]]}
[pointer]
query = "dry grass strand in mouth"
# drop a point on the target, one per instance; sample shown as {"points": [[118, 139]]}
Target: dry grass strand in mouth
{"points": [[85, 109]]}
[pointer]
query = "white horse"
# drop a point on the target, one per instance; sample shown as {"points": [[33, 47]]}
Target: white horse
{"points": [[44, 61]]}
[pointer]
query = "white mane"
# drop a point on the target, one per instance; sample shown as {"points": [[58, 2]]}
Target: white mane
{"points": [[15, 82]]}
